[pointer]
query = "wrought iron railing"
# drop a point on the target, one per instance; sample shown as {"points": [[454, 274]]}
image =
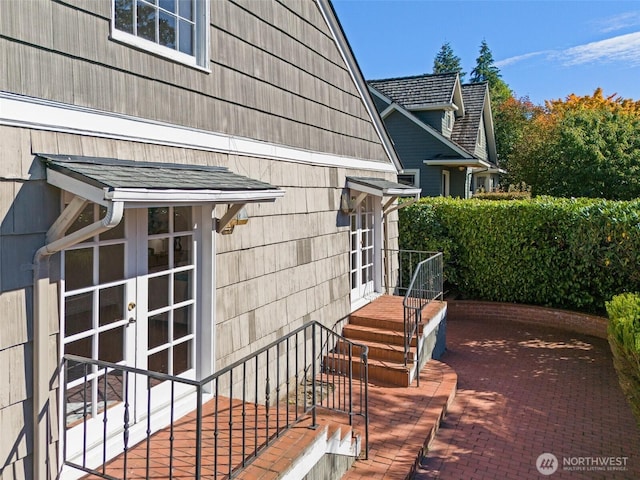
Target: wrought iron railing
{"points": [[253, 401], [426, 285], [400, 266]]}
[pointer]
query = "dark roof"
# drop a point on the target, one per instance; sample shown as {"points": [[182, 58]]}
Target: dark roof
{"points": [[111, 173], [418, 91], [465, 129]]}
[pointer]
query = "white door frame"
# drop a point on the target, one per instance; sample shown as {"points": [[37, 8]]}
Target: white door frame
{"points": [[204, 328], [363, 293]]}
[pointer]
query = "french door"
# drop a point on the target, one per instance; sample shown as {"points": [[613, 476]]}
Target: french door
{"points": [[128, 298], [363, 250]]}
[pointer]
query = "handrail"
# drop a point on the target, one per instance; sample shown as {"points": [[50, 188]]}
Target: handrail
{"points": [[255, 399], [426, 285]]}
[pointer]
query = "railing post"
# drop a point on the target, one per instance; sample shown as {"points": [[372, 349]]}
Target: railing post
{"points": [[199, 430], [314, 423]]}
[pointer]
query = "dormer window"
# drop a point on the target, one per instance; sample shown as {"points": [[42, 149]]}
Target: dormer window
{"points": [[449, 120], [176, 29]]}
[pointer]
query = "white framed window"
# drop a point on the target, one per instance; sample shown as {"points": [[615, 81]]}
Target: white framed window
{"points": [[410, 176], [176, 29]]}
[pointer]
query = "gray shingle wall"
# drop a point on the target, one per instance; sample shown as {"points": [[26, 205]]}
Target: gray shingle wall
{"points": [[288, 265], [276, 74]]}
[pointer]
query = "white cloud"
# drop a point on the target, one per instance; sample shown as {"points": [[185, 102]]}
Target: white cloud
{"points": [[519, 58], [622, 48], [619, 22]]}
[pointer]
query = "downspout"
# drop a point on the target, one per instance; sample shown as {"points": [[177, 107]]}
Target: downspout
{"points": [[41, 311]]}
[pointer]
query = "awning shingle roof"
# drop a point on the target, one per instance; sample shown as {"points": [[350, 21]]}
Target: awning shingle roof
{"points": [[125, 180]]}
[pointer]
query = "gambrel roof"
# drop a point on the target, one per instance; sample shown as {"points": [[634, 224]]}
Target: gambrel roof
{"points": [[421, 91]]}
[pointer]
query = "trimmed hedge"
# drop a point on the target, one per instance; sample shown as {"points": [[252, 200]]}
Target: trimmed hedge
{"points": [[624, 339], [565, 253]]}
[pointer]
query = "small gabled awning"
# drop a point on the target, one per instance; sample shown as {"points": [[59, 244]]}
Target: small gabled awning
{"points": [[138, 184], [379, 187]]}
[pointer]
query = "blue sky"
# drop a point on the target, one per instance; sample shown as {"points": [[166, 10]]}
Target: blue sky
{"points": [[544, 49]]}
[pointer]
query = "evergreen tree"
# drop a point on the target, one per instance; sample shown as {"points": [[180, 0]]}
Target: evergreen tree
{"points": [[485, 70], [446, 61]]}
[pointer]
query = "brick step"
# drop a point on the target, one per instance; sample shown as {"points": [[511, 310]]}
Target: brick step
{"points": [[378, 351], [380, 372], [364, 334], [393, 320]]}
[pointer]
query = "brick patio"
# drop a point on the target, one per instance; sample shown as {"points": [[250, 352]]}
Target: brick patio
{"points": [[524, 390]]}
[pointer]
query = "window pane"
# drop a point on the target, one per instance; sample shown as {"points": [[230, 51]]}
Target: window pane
{"points": [[158, 254], [85, 218], [111, 390], [158, 292], [185, 9], [182, 219], [182, 358], [182, 322], [78, 314], [111, 345], [146, 21], [78, 268], [158, 362], [124, 15], [82, 348], [182, 286], [167, 24], [111, 263], [186, 37], [182, 251], [158, 330], [169, 5], [158, 220], [111, 304]]}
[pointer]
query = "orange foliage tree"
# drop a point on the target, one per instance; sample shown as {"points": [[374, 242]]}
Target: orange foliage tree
{"points": [[583, 146]]}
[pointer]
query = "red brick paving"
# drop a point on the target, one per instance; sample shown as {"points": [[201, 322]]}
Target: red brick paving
{"points": [[524, 390]]}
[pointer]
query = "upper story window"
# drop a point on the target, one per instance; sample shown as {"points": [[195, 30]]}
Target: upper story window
{"points": [[176, 29], [409, 177]]}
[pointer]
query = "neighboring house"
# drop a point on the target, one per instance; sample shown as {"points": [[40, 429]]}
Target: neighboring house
{"points": [[132, 138], [442, 131]]}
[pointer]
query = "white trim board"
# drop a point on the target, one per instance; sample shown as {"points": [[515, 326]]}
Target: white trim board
{"points": [[39, 114]]}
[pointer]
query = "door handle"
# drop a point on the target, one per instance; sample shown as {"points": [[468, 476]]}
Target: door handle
{"points": [[132, 320]]}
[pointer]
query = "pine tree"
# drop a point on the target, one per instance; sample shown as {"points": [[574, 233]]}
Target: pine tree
{"points": [[486, 71], [446, 61]]}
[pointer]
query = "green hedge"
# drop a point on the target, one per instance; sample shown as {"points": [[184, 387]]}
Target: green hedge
{"points": [[565, 253], [624, 338]]}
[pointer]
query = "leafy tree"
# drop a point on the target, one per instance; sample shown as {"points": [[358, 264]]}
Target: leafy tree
{"points": [[582, 147], [446, 61]]}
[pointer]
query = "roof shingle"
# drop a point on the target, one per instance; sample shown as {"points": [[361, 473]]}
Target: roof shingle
{"points": [[418, 91]]}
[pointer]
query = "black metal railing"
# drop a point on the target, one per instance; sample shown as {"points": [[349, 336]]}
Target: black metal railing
{"points": [[400, 271], [426, 285], [253, 401]]}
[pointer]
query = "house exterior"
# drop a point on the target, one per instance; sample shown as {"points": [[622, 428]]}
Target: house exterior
{"points": [[136, 141], [442, 131]]}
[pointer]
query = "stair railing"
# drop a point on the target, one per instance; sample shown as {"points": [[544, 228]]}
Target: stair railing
{"points": [[254, 400], [426, 285]]}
